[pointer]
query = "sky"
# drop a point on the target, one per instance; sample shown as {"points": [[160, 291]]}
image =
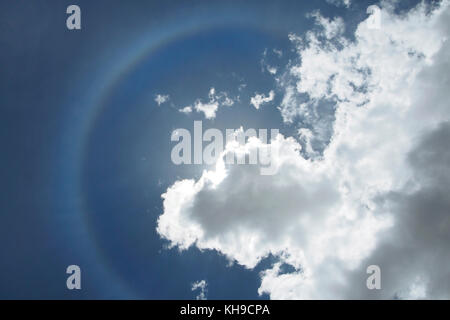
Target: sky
{"points": [[361, 164]]}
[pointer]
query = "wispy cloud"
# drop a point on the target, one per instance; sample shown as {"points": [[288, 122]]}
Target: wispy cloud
{"points": [[340, 3], [161, 98], [260, 99], [201, 287], [210, 107]]}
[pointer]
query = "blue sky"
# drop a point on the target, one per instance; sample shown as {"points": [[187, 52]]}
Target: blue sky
{"points": [[86, 149], [51, 80]]}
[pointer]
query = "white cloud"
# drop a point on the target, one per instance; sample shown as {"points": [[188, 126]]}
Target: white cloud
{"points": [[226, 101], [279, 53], [160, 99], [186, 110], [270, 55], [201, 286], [260, 99], [210, 108], [242, 86], [340, 3], [330, 28], [378, 194], [272, 70]]}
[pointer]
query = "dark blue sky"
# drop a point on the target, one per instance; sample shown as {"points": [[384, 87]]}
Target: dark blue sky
{"points": [[86, 150]]}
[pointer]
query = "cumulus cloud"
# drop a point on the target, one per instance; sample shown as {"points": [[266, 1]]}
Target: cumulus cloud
{"points": [[186, 110], [340, 3], [376, 193], [330, 28], [161, 98], [209, 108], [201, 287], [272, 70], [260, 99]]}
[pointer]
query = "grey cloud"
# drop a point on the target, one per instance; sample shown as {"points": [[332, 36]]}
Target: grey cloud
{"points": [[417, 249]]}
